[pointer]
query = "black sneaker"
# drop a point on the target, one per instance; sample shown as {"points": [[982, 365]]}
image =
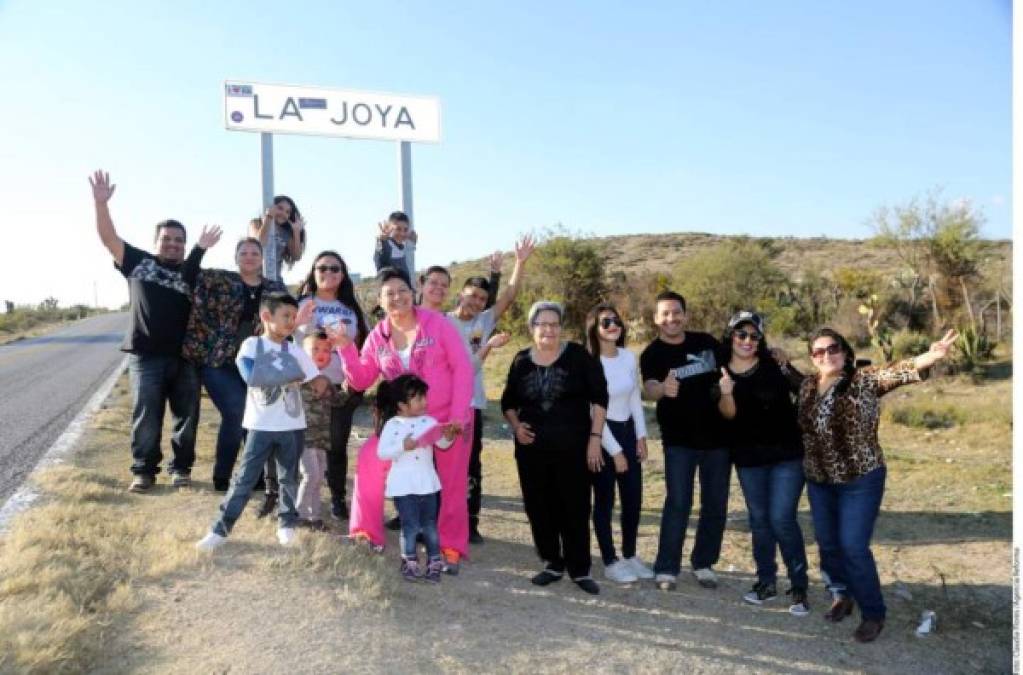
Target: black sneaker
{"points": [[267, 507], [587, 584], [547, 577], [475, 537], [221, 484], [141, 482], [760, 593], [338, 508], [799, 606], [394, 524]]}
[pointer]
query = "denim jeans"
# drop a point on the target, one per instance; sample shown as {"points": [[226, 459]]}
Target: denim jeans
{"points": [[227, 390], [157, 381], [772, 499], [680, 467], [630, 490], [418, 514], [843, 521], [287, 447]]}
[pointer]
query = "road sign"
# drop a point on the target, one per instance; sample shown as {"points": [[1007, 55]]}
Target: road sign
{"points": [[293, 109]]}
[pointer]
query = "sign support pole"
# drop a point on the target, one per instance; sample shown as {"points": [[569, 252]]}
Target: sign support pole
{"points": [[405, 196], [266, 170]]}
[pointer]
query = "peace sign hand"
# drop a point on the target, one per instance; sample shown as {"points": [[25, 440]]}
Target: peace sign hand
{"points": [[102, 189], [941, 348], [726, 383]]}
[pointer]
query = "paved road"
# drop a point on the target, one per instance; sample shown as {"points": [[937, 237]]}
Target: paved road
{"points": [[44, 382]]}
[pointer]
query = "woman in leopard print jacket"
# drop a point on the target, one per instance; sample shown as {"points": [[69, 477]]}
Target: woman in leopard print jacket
{"points": [[845, 469]]}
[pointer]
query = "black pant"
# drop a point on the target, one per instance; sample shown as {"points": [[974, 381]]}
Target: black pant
{"points": [[556, 493], [476, 469], [630, 488], [337, 455]]}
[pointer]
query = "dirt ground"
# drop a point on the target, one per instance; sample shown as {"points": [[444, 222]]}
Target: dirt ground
{"points": [[254, 607]]}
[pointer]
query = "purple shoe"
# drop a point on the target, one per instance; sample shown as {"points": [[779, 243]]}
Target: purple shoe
{"points": [[433, 571], [410, 570]]}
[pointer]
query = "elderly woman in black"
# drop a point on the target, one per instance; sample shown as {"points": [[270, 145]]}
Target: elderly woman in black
{"points": [[556, 401]]}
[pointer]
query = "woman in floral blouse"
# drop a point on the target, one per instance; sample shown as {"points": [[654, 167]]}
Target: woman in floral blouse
{"points": [[845, 468], [225, 311]]}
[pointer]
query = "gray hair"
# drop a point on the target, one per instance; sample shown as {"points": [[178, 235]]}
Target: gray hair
{"points": [[544, 306]]}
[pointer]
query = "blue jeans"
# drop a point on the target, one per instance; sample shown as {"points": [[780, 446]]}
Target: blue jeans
{"points": [[227, 390], [772, 499], [418, 514], [680, 466], [630, 490], [843, 521], [156, 382], [286, 446]]}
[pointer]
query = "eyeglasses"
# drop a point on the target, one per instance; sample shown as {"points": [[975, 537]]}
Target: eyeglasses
{"points": [[609, 321], [322, 269], [742, 335], [830, 350], [547, 324]]}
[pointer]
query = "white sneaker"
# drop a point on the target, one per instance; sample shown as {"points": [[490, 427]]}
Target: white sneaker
{"points": [[211, 541], [286, 535], [621, 572], [705, 577], [639, 569], [666, 582]]}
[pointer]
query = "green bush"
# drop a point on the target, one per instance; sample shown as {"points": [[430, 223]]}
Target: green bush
{"points": [[907, 344], [924, 417]]}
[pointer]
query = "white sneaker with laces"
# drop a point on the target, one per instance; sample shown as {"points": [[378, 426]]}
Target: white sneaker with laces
{"points": [[211, 541], [620, 572], [705, 577], [639, 569], [666, 582], [286, 535]]}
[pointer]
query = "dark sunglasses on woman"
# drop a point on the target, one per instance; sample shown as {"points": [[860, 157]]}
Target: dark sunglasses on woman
{"points": [[742, 335], [609, 321], [328, 268], [830, 350]]}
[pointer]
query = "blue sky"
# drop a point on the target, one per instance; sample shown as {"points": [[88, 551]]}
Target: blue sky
{"points": [[793, 118]]}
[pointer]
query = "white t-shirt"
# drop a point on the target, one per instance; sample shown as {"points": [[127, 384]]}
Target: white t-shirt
{"points": [[622, 375], [475, 333], [331, 313], [274, 408], [412, 471]]}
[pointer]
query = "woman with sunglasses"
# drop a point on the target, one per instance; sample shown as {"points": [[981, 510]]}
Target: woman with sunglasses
{"points": [[225, 311], [767, 450], [839, 410], [624, 445], [327, 299], [555, 401], [282, 223]]}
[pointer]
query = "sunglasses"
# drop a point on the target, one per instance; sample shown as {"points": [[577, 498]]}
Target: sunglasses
{"points": [[742, 335], [830, 350], [328, 268], [609, 321]]}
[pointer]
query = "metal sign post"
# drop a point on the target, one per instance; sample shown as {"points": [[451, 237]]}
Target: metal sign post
{"points": [[289, 109], [266, 170]]}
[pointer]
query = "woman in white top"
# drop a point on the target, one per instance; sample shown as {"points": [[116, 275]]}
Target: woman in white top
{"points": [[407, 436], [624, 445]]}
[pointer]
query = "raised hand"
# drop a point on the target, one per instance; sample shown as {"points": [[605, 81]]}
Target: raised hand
{"points": [[524, 248], [941, 348], [726, 383], [210, 236], [102, 189], [496, 258], [267, 218], [385, 229], [299, 224], [304, 315], [413, 236], [498, 340], [339, 335]]}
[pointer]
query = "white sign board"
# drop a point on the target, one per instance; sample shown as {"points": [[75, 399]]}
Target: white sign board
{"points": [[290, 109]]}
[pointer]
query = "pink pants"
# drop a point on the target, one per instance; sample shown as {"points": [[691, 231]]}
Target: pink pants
{"points": [[367, 515]]}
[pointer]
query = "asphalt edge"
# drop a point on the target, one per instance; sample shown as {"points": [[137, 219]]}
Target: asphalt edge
{"points": [[25, 495]]}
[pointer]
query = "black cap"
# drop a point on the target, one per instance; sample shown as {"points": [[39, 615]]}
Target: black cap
{"points": [[746, 316]]}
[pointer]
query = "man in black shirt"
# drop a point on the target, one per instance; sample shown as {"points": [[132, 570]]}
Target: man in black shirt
{"points": [[160, 298], [679, 370]]}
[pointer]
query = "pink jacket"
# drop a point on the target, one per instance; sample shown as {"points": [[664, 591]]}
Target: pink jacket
{"points": [[439, 357]]}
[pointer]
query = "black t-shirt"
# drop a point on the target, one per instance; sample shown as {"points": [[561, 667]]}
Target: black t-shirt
{"points": [[764, 429], [691, 419], [555, 400], [160, 298]]}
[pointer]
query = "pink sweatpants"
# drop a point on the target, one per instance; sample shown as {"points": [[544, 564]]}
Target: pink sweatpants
{"points": [[367, 516]]}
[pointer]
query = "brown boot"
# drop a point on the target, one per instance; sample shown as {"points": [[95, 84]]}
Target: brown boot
{"points": [[840, 608], [868, 630]]}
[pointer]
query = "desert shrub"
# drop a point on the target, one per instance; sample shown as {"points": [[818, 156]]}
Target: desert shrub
{"points": [[907, 344], [928, 417]]}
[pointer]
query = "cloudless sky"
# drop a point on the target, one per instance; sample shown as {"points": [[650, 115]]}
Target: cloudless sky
{"points": [[790, 118]]}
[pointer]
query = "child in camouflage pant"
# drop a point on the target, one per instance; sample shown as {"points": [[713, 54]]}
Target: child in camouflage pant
{"points": [[317, 436]]}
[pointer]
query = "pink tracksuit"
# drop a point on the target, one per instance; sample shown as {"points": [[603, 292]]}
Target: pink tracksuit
{"points": [[440, 358]]}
